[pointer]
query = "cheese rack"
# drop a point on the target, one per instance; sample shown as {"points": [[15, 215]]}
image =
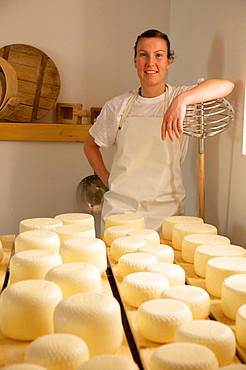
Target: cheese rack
{"points": [[145, 348]]}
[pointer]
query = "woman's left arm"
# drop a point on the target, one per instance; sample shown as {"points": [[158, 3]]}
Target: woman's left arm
{"points": [[207, 90]]}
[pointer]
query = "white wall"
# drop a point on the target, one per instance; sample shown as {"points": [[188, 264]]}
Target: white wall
{"points": [[91, 43], [209, 39]]}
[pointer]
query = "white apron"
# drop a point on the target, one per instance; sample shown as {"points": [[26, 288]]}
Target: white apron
{"points": [[145, 177]]}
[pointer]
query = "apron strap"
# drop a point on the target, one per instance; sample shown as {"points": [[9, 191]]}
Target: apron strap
{"points": [[128, 108], [131, 102]]}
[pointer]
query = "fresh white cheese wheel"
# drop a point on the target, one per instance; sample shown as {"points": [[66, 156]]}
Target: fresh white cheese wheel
{"points": [[191, 242], [57, 351], [125, 219], [134, 262], [204, 253], [94, 317], [41, 223], [32, 264], [76, 218], [183, 229], [90, 250], [174, 273], [27, 309], [23, 366], [196, 298], [169, 222], [158, 319], [219, 268], [183, 356], [151, 236], [233, 294], [125, 245], [164, 253], [1, 251], [215, 335], [114, 232], [76, 277], [234, 367], [241, 326], [109, 362], [66, 232], [37, 239], [140, 287]]}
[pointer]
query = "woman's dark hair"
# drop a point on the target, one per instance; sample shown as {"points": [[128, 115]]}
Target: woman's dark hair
{"points": [[155, 33]]}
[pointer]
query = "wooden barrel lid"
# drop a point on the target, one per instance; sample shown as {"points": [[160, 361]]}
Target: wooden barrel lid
{"points": [[38, 81]]}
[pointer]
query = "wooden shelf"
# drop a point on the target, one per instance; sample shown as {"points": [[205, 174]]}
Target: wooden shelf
{"points": [[18, 131]]}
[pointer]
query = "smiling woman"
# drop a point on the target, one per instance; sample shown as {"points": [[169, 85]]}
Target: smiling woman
{"points": [[145, 177]]}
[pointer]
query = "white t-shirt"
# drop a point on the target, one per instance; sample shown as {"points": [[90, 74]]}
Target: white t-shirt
{"points": [[105, 129]]}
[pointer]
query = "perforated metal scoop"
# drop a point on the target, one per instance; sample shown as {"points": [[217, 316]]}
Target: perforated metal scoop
{"points": [[201, 121], [89, 194]]}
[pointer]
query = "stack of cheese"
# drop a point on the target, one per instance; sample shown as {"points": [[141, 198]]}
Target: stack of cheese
{"points": [[169, 223], [60, 260], [161, 316]]}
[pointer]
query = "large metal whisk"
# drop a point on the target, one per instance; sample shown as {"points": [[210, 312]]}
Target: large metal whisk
{"points": [[201, 121]]}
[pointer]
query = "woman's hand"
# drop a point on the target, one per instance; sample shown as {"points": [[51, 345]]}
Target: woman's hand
{"points": [[173, 119]]}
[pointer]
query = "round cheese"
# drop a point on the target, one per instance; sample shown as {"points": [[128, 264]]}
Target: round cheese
{"points": [[32, 264], [114, 232], [27, 309], [1, 251], [219, 268], [41, 223], [23, 366], [183, 356], [233, 294], [124, 219], [37, 239], [163, 253], [125, 245], [183, 229], [134, 262], [215, 335], [158, 319], [90, 250], [76, 277], [174, 273], [140, 287], [151, 236], [241, 326], [197, 299], [204, 253], [94, 317], [66, 232], [234, 367], [76, 218], [169, 222], [57, 351], [109, 362], [191, 242]]}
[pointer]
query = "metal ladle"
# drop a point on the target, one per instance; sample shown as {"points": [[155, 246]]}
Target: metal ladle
{"points": [[90, 193]]}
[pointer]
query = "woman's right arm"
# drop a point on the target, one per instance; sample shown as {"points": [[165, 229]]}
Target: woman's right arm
{"points": [[94, 156]]}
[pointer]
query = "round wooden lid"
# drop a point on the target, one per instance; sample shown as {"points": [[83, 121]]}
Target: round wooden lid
{"points": [[38, 81]]}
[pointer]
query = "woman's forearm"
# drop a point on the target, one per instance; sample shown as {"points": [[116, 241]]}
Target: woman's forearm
{"points": [[94, 157], [207, 90]]}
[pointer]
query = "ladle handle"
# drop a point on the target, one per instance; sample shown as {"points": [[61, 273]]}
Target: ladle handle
{"points": [[201, 186]]}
